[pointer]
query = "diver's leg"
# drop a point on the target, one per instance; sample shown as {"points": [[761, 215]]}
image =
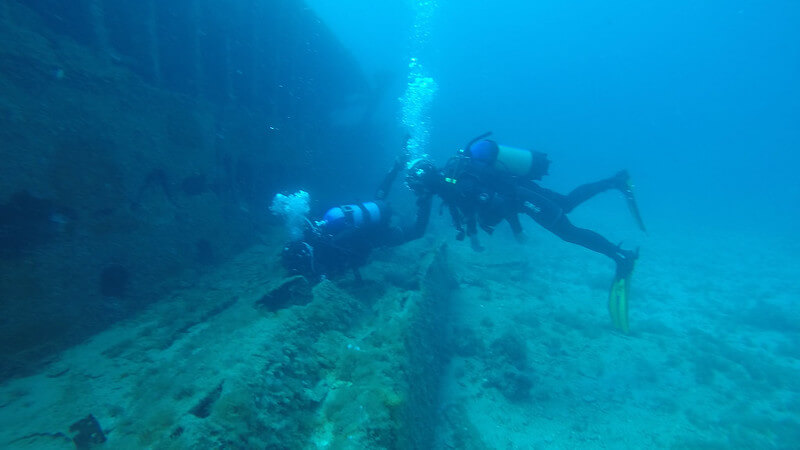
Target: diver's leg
{"points": [[624, 259], [547, 213], [516, 227], [586, 191]]}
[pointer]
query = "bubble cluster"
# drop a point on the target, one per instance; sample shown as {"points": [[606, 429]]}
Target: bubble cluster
{"points": [[421, 87], [416, 102], [293, 208], [422, 21]]}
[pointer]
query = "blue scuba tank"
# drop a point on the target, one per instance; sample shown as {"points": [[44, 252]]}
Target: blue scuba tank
{"points": [[359, 215]]}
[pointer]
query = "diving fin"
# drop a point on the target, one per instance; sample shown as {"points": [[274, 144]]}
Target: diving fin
{"points": [[630, 199], [621, 289], [618, 303]]}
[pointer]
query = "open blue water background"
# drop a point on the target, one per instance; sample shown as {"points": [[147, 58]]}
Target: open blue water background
{"points": [[700, 100]]}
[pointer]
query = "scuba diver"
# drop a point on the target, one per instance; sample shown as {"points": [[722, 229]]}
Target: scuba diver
{"points": [[346, 235], [487, 183]]}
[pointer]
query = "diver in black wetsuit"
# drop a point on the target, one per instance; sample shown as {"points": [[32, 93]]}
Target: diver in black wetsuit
{"points": [[346, 235], [488, 183], [480, 193]]}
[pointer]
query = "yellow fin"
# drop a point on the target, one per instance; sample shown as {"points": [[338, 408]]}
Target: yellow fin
{"points": [[618, 304]]}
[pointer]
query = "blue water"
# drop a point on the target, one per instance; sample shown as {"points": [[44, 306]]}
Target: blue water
{"points": [[698, 99]]}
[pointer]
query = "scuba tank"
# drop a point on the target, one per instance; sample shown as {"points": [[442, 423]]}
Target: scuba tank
{"points": [[515, 161], [359, 215]]}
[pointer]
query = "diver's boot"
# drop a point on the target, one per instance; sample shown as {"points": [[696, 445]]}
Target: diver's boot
{"points": [[625, 260]]}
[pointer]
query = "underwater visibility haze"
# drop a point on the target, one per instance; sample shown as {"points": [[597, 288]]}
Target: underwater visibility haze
{"points": [[404, 224]]}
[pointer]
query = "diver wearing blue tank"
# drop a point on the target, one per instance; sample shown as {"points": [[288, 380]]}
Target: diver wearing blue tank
{"points": [[346, 235]]}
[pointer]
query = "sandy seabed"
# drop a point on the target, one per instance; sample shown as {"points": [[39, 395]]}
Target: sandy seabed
{"points": [[712, 360], [531, 359]]}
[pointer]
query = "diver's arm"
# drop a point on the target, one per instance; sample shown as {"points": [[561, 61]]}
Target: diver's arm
{"points": [[424, 205], [386, 184], [516, 227], [388, 180]]}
